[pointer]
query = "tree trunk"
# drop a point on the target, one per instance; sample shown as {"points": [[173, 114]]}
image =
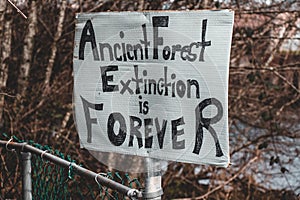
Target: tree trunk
{"points": [[5, 40], [27, 51], [54, 47]]}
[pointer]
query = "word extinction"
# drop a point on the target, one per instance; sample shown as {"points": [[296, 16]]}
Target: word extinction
{"points": [[140, 51], [167, 85]]}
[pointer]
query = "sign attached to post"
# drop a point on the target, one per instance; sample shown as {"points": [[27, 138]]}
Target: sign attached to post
{"points": [[154, 84]]}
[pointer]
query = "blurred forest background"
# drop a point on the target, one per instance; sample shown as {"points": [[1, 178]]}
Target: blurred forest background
{"points": [[36, 86]]}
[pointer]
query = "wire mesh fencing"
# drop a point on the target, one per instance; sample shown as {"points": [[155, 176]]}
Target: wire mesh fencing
{"points": [[53, 181], [10, 175]]}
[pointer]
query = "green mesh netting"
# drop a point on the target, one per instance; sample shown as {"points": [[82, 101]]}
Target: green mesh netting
{"points": [[50, 181]]}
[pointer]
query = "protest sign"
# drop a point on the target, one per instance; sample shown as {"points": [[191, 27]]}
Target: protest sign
{"points": [[154, 84]]}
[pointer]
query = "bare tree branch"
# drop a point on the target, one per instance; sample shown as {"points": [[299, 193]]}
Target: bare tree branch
{"points": [[242, 169], [18, 10]]}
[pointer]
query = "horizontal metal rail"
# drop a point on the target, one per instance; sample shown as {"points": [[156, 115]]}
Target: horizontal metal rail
{"points": [[24, 147]]}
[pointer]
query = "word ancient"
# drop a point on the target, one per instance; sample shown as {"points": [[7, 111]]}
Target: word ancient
{"points": [[140, 51]]}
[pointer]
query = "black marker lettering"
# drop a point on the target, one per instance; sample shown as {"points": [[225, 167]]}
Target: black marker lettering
{"points": [[175, 133], [202, 122], [148, 139], [158, 21], [119, 139], [88, 27], [203, 42], [145, 41], [135, 125], [89, 121], [105, 78], [160, 132]]}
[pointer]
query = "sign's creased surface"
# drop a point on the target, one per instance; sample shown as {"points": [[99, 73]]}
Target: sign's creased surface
{"points": [[154, 84]]}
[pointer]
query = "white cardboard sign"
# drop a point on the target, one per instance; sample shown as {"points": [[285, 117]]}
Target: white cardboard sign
{"points": [[154, 84]]}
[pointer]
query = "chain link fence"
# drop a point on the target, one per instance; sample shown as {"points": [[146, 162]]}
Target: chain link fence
{"points": [[56, 176]]}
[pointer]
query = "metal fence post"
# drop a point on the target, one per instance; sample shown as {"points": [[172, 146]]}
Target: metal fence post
{"points": [[153, 189], [26, 173]]}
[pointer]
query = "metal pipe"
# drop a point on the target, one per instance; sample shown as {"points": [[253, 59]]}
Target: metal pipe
{"points": [[132, 193], [26, 173], [153, 189]]}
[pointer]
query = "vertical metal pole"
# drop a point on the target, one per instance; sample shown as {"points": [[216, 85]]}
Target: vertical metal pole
{"points": [[26, 172], [153, 189]]}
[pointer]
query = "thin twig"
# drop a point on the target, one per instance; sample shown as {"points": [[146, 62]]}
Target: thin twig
{"points": [[286, 81], [18, 10], [229, 180], [8, 95], [287, 105]]}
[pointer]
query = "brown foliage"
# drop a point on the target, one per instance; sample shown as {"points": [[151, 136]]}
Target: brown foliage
{"points": [[264, 94]]}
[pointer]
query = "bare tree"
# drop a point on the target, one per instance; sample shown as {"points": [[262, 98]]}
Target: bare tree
{"points": [[6, 37], [28, 50], [54, 46]]}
